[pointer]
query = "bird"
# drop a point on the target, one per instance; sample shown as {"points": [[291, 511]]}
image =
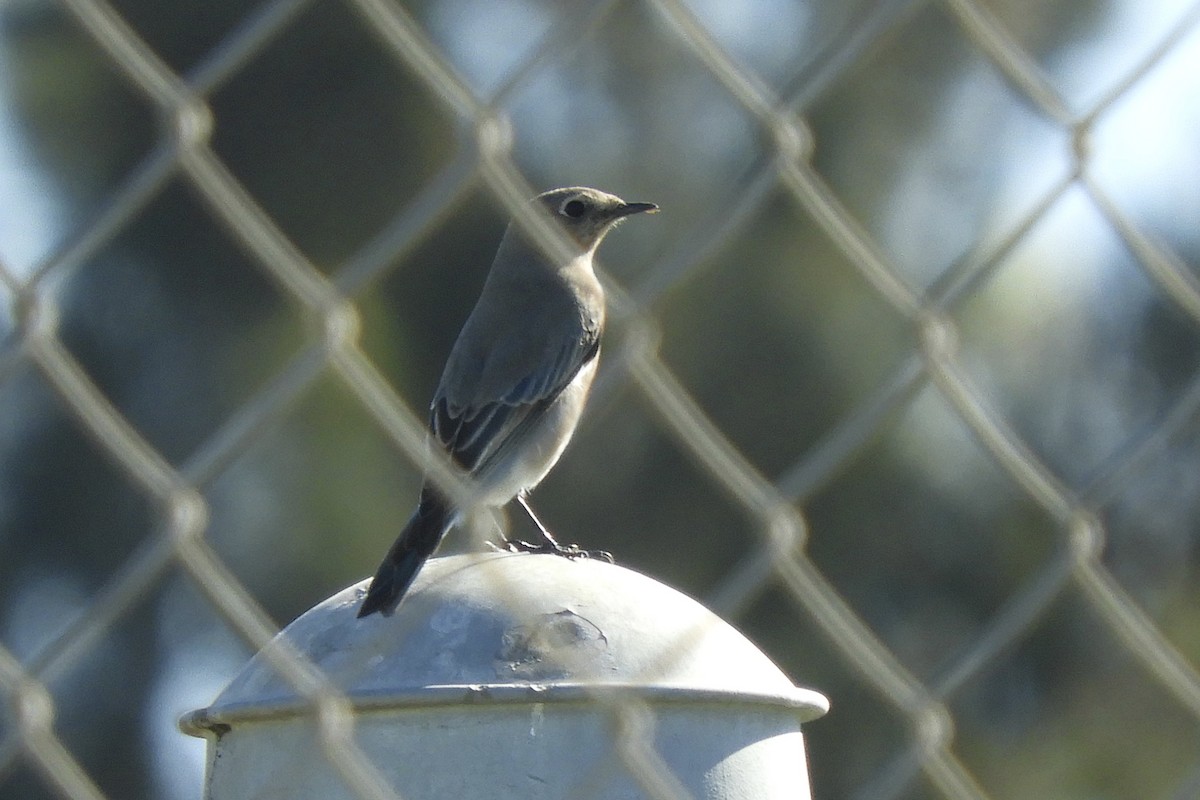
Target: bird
{"points": [[516, 381]]}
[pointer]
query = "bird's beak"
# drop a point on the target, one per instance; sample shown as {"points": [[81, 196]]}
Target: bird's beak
{"points": [[634, 208]]}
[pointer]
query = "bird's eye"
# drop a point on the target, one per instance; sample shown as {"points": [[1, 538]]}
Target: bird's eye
{"points": [[573, 209]]}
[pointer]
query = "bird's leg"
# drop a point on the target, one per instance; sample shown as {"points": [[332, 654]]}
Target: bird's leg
{"points": [[551, 544], [503, 546], [523, 499]]}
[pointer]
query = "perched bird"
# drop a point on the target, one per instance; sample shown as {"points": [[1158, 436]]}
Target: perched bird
{"points": [[515, 384]]}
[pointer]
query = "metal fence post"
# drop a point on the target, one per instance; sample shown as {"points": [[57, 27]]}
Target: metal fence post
{"points": [[603, 683]]}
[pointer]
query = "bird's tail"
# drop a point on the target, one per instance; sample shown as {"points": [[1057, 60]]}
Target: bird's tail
{"points": [[418, 540]]}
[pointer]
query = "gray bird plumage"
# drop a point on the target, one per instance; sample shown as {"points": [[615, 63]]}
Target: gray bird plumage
{"points": [[516, 381]]}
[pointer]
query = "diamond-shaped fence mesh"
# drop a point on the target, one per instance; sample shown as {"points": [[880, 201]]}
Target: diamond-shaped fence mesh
{"points": [[904, 381]]}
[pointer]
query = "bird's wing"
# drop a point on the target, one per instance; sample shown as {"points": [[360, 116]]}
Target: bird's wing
{"points": [[476, 427]]}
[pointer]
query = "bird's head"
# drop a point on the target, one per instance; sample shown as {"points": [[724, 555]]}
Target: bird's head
{"points": [[589, 214]]}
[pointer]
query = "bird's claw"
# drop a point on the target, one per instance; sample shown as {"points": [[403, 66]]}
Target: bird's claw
{"points": [[572, 551]]}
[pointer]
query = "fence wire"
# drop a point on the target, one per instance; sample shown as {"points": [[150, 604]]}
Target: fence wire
{"points": [[329, 304]]}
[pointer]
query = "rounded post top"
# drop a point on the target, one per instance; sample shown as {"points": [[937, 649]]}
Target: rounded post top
{"points": [[512, 628]]}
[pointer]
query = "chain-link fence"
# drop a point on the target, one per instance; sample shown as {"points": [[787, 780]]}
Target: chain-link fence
{"points": [[904, 380]]}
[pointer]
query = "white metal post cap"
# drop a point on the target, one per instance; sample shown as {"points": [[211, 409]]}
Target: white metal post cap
{"points": [[522, 660]]}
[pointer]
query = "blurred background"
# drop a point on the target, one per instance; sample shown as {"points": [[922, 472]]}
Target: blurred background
{"points": [[926, 272]]}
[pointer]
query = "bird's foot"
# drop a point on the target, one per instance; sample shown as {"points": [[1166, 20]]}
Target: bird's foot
{"points": [[572, 551]]}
